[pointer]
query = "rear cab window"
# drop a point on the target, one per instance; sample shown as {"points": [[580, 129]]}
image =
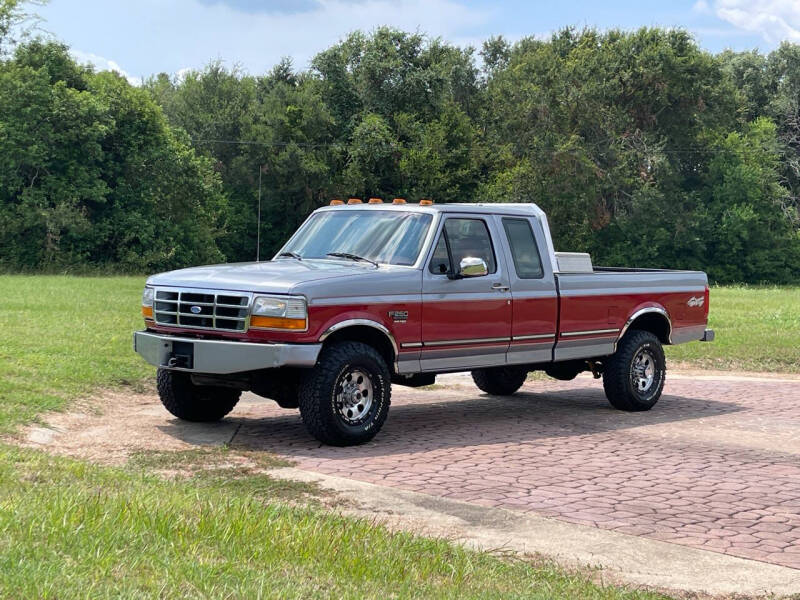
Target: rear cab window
{"points": [[527, 261], [467, 238]]}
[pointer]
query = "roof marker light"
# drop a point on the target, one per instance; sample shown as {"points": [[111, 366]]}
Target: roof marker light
{"points": [[354, 201], [425, 202], [375, 201], [336, 202], [399, 201]]}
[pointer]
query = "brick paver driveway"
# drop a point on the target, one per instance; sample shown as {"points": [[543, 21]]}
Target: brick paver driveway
{"points": [[715, 465]]}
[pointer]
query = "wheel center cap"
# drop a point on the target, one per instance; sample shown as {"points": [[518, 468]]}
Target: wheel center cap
{"points": [[351, 393], [354, 395]]}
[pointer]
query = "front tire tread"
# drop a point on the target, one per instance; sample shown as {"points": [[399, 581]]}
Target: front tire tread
{"points": [[316, 389]]}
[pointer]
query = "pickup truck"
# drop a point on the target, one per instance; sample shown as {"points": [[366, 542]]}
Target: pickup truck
{"points": [[366, 295]]}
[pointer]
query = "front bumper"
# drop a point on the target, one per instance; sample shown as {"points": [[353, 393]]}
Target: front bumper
{"points": [[219, 356]]}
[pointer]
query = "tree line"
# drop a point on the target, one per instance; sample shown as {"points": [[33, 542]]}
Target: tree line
{"points": [[643, 148]]}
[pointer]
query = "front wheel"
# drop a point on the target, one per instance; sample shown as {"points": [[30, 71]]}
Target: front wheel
{"points": [[190, 402], [634, 376], [344, 400]]}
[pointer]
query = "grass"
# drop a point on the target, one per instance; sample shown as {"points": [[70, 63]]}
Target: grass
{"points": [[63, 337], [72, 530], [757, 329], [193, 524], [220, 468]]}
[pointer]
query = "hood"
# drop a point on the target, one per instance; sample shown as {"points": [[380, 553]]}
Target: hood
{"points": [[278, 276]]}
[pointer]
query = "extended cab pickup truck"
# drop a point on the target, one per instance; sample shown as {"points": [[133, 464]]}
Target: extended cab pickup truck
{"points": [[366, 295]]}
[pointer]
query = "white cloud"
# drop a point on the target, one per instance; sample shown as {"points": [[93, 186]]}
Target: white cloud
{"points": [[774, 20], [149, 36], [103, 64]]}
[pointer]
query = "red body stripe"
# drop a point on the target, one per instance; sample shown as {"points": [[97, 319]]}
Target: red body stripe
{"points": [[481, 319]]}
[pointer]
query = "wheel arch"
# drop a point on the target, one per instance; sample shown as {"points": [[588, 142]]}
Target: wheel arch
{"points": [[654, 319], [368, 332]]}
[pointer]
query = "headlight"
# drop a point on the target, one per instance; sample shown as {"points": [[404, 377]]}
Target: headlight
{"points": [[147, 302], [279, 313], [147, 296]]}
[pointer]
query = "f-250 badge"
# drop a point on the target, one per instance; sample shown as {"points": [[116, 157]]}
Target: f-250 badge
{"points": [[399, 316], [695, 301]]}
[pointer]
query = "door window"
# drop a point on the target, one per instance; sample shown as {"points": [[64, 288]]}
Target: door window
{"points": [[467, 238], [527, 262]]}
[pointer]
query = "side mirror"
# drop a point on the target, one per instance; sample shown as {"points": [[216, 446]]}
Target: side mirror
{"points": [[473, 267]]}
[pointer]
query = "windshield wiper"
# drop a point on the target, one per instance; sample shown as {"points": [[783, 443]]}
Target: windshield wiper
{"points": [[352, 257], [291, 254]]}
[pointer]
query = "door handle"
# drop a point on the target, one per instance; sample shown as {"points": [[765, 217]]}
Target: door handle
{"points": [[500, 287]]}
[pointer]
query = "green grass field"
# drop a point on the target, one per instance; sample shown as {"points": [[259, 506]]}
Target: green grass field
{"points": [[757, 329], [62, 337], [70, 529]]}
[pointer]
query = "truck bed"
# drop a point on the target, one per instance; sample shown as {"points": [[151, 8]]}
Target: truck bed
{"points": [[594, 308]]}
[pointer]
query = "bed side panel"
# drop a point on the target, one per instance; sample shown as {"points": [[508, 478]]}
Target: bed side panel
{"points": [[595, 307]]}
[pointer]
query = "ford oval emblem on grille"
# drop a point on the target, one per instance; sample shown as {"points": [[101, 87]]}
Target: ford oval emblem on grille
{"points": [[195, 310]]}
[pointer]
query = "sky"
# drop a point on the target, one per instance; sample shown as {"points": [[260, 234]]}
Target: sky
{"points": [[144, 37]]}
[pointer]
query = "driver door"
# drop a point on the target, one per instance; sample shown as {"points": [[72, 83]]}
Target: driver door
{"points": [[466, 322]]}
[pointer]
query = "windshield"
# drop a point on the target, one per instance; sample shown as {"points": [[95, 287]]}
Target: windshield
{"points": [[389, 237]]}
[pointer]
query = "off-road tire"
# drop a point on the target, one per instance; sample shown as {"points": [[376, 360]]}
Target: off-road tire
{"points": [[190, 402], [618, 381], [319, 388], [499, 381]]}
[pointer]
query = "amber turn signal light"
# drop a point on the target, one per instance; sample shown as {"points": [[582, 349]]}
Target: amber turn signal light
{"points": [[336, 202], [425, 202], [277, 323], [147, 312], [354, 201], [399, 201], [375, 201]]}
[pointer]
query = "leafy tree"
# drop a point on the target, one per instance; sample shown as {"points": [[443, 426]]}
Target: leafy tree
{"points": [[748, 236], [16, 22], [644, 149], [91, 175]]}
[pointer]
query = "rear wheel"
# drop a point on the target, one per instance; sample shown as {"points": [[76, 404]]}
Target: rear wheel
{"points": [[500, 381], [633, 378], [345, 399], [190, 402]]}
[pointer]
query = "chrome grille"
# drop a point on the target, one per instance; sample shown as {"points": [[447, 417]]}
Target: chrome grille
{"points": [[202, 309]]}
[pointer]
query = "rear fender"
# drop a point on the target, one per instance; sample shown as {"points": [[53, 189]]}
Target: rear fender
{"points": [[653, 318]]}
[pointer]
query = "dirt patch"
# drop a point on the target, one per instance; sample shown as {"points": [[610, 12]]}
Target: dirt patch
{"points": [[112, 426], [134, 430]]}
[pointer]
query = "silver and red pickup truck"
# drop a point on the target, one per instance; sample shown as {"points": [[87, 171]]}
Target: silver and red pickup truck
{"points": [[365, 295]]}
